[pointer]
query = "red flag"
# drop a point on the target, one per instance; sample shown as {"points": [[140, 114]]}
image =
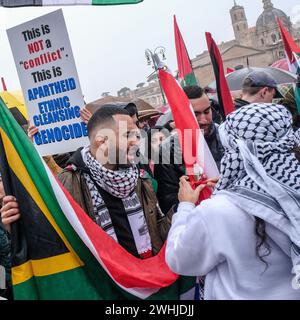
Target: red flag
{"points": [[224, 95], [291, 48], [230, 70], [292, 52], [185, 70], [195, 149]]}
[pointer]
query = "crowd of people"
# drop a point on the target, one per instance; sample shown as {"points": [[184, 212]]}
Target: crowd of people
{"points": [[243, 242]]}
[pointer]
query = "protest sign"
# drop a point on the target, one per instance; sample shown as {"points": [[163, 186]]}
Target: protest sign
{"points": [[49, 80]]}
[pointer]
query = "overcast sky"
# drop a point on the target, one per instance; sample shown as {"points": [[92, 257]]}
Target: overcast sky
{"points": [[109, 42]]}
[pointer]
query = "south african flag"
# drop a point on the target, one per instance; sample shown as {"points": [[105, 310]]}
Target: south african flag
{"points": [[58, 251]]}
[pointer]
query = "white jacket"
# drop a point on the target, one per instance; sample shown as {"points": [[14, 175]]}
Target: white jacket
{"points": [[217, 239]]}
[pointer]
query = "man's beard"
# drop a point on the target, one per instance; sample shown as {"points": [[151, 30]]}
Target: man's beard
{"points": [[123, 162], [208, 129]]}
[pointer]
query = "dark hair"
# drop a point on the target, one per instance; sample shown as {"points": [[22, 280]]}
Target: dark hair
{"points": [[193, 92], [104, 115], [251, 90], [132, 109], [261, 242], [150, 134], [296, 151]]}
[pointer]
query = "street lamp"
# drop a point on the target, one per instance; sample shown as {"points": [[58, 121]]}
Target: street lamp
{"points": [[151, 61]]}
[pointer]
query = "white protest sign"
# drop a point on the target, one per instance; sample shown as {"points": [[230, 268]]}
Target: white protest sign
{"points": [[49, 80]]}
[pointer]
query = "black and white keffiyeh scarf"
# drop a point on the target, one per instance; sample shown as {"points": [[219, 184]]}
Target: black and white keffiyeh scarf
{"points": [[120, 184], [259, 171]]}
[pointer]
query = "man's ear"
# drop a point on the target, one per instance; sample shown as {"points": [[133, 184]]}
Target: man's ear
{"points": [[100, 141], [263, 91]]}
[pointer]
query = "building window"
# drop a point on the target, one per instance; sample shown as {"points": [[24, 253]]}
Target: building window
{"points": [[235, 17], [274, 38], [262, 41]]}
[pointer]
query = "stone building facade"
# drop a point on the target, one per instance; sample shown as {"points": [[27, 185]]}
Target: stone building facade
{"points": [[149, 92], [257, 46]]}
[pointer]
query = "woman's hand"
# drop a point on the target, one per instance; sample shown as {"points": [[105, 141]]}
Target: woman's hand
{"points": [[186, 192]]}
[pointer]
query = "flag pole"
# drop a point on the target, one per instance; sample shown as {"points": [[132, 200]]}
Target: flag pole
{"points": [[3, 84]]}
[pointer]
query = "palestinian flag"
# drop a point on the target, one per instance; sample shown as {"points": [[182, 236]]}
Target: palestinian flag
{"points": [[224, 95], [292, 52], [230, 70], [195, 149], [186, 74], [58, 251], [23, 3]]}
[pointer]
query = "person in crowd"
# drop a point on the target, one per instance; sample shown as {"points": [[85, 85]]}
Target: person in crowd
{"points": [[289, 101], [144, 125], [4, 252], [168, 173], [170, 126], [216, 116], [258, 87], [58, 162], [216, 111], [130, 107], [156, 136], [105, 182], [246, 238]]}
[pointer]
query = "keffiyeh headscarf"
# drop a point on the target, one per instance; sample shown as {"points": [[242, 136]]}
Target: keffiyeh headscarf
{"points": [[259, 171]]}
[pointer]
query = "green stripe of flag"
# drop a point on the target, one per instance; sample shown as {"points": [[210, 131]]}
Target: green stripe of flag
{"points": [[189, 80]]}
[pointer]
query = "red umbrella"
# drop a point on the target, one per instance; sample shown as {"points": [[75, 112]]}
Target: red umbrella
{"points": [[281, 64]]}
